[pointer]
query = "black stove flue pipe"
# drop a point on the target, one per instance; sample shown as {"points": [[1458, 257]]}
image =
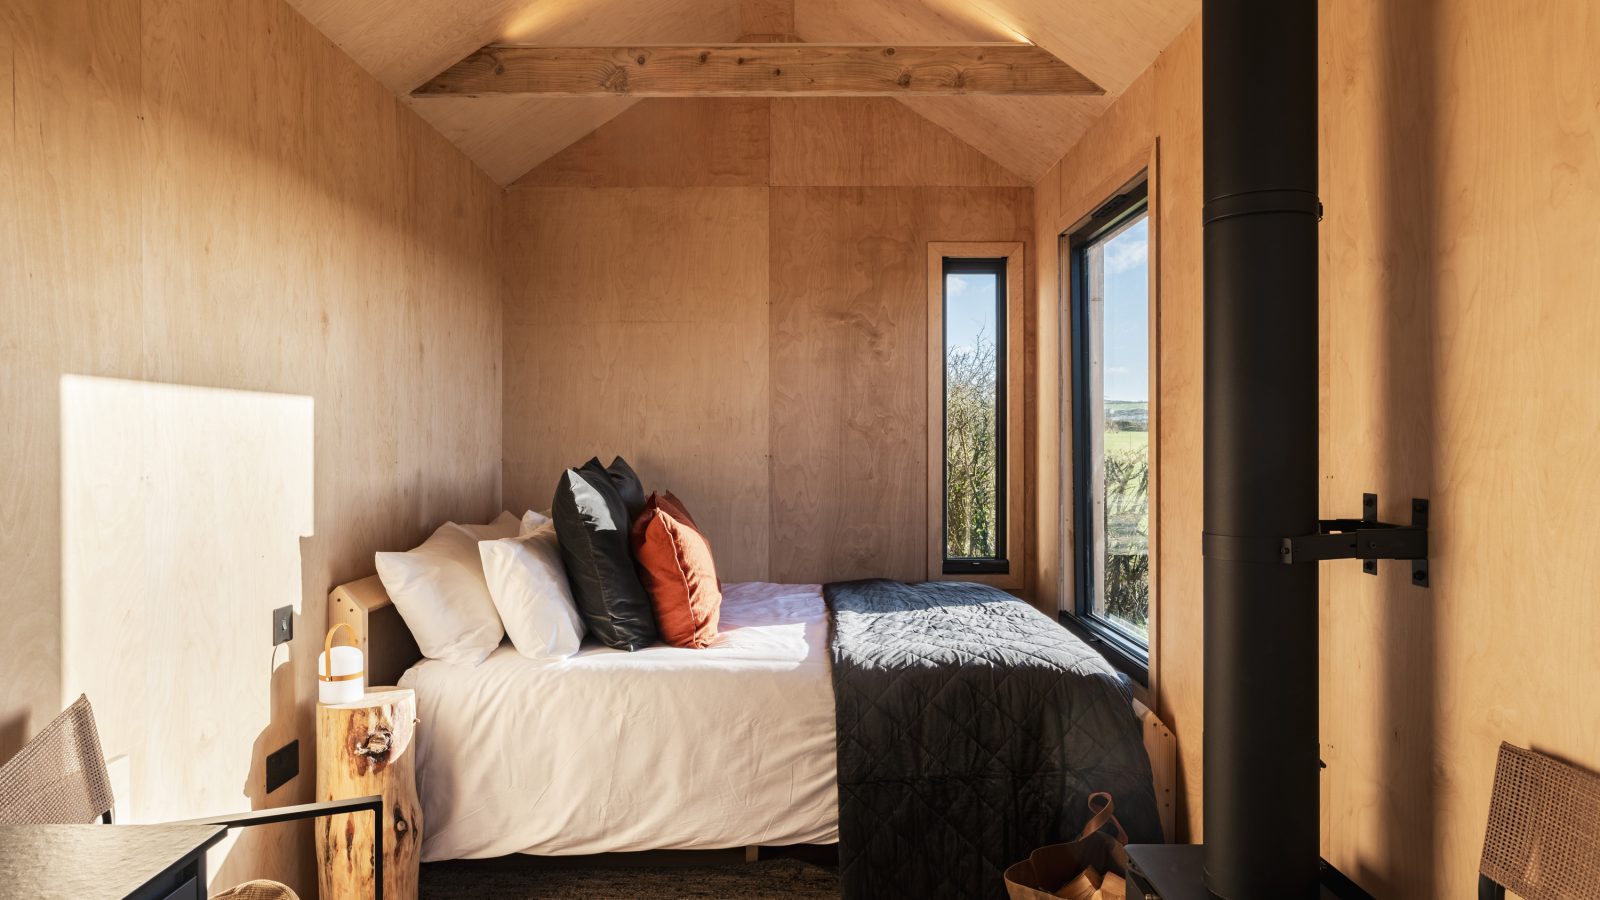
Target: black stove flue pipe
{"points": [[1261, 210]]}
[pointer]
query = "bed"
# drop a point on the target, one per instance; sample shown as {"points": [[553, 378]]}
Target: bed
{"points": [[739, 744], [532, 756]]}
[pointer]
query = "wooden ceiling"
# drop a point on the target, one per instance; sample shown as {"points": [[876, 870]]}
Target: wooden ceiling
{"points": [[404, 43]]}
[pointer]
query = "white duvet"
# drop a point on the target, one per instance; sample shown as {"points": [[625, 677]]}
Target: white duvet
{"points": [[610, 751]]}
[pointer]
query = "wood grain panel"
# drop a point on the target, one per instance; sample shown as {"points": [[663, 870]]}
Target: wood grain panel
{"points": [[769, 19], [845, 21], [508, 135], [692, 142], [405, 42], [1113, 42], [636, 324], [1176, 246], [871, 141], [1458, 280], [1025, 135], [1052, 566], [1161, 106], [253, 338], [69, 235], [849, 419]]}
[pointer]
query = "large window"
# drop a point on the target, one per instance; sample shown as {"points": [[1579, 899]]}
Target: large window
{"points": [[974, 415], [1109, 265]]}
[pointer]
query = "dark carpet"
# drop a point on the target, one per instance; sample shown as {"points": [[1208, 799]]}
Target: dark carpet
{"points": [[778, 879]]}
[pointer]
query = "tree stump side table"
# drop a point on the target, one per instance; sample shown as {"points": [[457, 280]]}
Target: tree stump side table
{"points": [[363, 748]]}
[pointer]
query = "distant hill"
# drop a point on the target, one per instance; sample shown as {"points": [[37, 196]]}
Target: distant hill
{"points": [[1128, 415]]}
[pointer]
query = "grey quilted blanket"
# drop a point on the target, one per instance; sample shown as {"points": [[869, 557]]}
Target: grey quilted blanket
{"points": [[972, 729]]}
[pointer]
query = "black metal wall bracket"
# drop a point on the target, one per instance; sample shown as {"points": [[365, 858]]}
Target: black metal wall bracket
{"points": [[1367, 539]]}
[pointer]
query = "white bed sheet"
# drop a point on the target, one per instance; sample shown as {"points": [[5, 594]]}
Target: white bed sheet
{"points": [[664, 748]]}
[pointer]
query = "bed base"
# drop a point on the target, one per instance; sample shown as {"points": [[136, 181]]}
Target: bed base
{"points": [[819, 854], [365, 606]]}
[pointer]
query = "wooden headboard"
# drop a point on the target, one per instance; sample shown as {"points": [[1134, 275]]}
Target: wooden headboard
{"points": [[380, 632]]}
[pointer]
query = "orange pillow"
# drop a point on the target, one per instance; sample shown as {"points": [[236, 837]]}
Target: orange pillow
{"points": [[678, 572], [668, 501]]}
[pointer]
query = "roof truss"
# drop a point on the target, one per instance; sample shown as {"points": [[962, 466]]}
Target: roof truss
{"points": [[761, 70]]}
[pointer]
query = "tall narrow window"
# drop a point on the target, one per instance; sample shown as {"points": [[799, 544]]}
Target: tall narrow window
{"points": [[975, 412], [974, 416], [1110, 272]]}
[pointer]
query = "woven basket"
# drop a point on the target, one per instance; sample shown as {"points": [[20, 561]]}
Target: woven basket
{"points": [[1048, 870]]}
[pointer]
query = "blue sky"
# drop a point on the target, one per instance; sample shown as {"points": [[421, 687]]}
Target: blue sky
{"points": [[1127, 313], [970, 308]]}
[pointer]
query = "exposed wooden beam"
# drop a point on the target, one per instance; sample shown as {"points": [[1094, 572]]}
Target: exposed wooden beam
{"points": [[761, 70]]}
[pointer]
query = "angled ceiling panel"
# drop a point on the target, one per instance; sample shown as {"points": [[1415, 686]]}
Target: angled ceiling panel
{"points": [[508, 135], [902, 21], [1111, 42], [405, 42], [1025, 134]]}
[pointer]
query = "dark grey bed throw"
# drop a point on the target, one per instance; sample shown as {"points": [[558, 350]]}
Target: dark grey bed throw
{"points": [[972, 729]]}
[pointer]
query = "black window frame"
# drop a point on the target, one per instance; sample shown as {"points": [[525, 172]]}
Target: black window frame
{"points": [[1000, 563], [1124, 650]]}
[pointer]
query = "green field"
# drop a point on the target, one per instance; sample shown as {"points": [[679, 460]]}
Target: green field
{"points": [[1127, 512], [1120, 441]]}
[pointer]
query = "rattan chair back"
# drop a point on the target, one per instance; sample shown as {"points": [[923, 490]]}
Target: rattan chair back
{"points": [[1543, 839], [60, 777]]}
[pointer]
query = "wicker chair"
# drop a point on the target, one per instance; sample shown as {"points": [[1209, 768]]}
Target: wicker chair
{"points": [[1543, 839], [60, 778]]}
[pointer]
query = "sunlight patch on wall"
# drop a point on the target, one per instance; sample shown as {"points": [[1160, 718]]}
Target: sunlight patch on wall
{"points": [[980, 20], [182, 511]]}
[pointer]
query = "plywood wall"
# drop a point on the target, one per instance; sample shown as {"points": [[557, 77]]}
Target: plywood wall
{"points": [[1154, 126], [731, 293], [1459, 279], [250, 315], [1461, 178], [648, 339]]}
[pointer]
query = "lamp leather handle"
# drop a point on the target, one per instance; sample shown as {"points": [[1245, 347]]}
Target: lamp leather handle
{"points": [[327, 655]]}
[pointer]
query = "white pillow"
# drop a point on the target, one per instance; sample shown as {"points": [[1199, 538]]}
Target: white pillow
{"points": [[531, 522], [504, 525], [529, 585], [440, 593]]}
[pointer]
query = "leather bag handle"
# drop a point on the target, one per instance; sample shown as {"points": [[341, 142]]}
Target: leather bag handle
{"points": [[1103, 815]]}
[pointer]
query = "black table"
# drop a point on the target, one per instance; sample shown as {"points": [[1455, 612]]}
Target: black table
{"points": [[1175, 872], [91, 862]]}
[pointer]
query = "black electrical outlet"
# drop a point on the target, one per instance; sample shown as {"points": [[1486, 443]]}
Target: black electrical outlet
{"points": [[283, 765], [282, 625]]}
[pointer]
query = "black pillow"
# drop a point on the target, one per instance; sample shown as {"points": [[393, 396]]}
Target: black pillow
{"points": [[592, 529], [629, 486], [626, 482]]}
